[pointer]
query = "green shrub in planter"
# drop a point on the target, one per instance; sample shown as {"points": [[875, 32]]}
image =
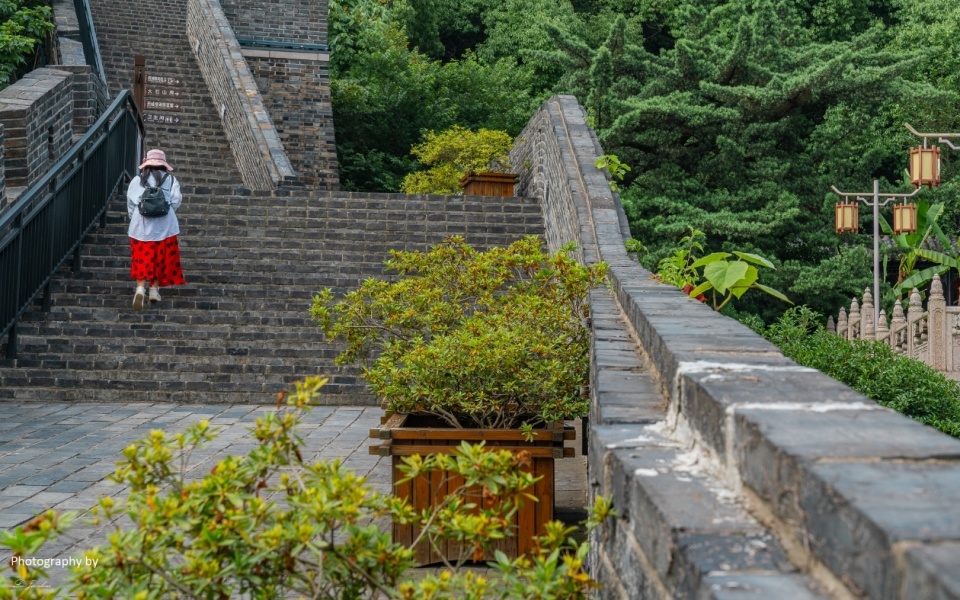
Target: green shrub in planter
{"points": [[872, 368], [271, 525], [480, 339]]}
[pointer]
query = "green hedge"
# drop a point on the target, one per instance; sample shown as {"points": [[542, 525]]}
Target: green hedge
{"points": [[872, 368]]}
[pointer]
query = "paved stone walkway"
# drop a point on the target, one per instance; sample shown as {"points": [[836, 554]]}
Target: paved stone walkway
{"points": [[59, 455]]}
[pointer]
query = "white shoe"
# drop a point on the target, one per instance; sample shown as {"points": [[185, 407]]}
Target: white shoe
{"points": [[138, 297], [154, 294]]}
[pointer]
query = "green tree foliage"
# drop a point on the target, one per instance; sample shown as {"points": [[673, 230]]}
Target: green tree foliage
{"points": [[272, 525], [731, 123], [386, 94], [453, 153], [872, 368], [23, 26]]}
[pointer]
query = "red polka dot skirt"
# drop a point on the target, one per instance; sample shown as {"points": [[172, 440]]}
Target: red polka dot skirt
{"points": [[156, 261]]}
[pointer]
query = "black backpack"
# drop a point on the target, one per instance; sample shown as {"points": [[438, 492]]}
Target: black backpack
{"points": [[153, 200]]}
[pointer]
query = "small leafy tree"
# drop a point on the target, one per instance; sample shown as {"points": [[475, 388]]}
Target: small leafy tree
{"points": [[728, 279], [479, 339], [453, 153], [272, 525], [23, 26]]}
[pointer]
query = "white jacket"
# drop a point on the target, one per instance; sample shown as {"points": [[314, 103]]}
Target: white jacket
{"points": [[153, 229]]}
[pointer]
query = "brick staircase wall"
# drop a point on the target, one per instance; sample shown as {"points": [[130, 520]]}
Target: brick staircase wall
{"points": [[295, 86]]}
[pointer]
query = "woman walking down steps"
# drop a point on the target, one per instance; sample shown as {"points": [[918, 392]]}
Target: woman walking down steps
{"points": [[154, 250]]}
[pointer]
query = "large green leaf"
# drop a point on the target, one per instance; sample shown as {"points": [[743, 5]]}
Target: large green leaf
{"points": [[919, 279], [710, 259], [741, 287], [773, 293], [724, 274], [755, 259], [939, 258]]}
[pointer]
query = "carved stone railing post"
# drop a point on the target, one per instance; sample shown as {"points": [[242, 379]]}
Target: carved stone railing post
{"points": [[842, 324], [914, 316], [898, 328], [831, 326], [853, 328], [883, 332], [937, 326], [868, 327]]}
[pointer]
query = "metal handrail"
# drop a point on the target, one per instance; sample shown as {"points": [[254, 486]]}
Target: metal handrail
{"points": [[88, 37], [50, 218]]}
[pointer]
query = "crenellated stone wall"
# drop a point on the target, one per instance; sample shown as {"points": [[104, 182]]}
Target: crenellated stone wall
{"points": [[735, 471], [36, 113]]}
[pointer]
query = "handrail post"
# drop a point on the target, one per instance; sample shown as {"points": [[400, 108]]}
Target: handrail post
{"points": [[140, 81], [12, 342]]}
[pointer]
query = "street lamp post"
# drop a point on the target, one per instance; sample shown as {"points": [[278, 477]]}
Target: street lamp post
{"points": [[875, 203]]}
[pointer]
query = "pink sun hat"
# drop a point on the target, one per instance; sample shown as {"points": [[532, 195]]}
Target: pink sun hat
{"points": [[156, 158]]}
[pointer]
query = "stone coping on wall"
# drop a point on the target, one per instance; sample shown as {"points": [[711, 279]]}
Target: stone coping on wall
{"points": [[285, 54], [734, 468]]}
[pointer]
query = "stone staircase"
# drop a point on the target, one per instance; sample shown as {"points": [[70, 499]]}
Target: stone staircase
{"points": [[240, 330], [196, 145]]}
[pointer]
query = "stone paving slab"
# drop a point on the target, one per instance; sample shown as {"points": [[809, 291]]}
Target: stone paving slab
{"points": [[58, 455]]}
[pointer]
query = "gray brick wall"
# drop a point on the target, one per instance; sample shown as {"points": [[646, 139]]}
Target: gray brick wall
{"points": [[296, 89], [37, 115], [254, 140], [735, 471], [300, 21]]}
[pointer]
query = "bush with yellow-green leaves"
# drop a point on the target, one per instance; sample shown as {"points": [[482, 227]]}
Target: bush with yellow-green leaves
{"points": [[272, 525]]}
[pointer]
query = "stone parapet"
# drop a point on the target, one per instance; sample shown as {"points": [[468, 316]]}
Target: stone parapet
{"points": [[36, 113], [253, 138], [735, 471]]}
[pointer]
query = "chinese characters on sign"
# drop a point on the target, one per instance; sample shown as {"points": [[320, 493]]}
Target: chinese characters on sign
{"points": [[164, 119], [162, 94], [161, 80], [162, 105]]}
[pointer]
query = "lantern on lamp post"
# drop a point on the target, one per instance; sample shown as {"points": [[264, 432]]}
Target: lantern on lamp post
{"points": [[925, 166], [848, 217], [905, 218], [847, 213]]}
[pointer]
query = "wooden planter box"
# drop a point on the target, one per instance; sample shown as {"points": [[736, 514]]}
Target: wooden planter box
{"points": [[405, 435], [488, 184]]}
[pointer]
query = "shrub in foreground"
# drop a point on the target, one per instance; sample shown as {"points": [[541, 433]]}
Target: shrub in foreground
{"points": [[872, 368], [271, 525]]}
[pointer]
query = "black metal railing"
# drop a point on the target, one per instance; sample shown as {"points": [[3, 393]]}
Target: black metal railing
{"points": [[50, 218], [88, 37]]}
